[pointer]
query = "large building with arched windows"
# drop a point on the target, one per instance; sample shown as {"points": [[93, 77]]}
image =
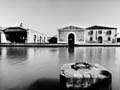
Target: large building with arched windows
{"points": [[101, 34], [93, 34], [21, 35], [71, 35]]}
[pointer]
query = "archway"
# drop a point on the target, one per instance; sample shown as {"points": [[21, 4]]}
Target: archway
{"points": [[71, 39], [100, 39]]}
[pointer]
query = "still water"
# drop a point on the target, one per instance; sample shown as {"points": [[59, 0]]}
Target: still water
{"points": [[25, 68]]}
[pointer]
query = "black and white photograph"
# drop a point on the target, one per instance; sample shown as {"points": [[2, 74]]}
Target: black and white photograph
{"points": [[59, 44]]}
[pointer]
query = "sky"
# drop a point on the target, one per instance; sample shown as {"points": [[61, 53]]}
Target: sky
{"points": [[46, 16]]}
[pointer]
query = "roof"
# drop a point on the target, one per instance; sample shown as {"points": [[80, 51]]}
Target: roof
{"points": [[70, 27], [20, 29], [100, 27], [12, 29], [37, 32]]}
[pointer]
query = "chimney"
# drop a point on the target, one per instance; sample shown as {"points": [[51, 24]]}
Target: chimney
{"points": [[21, 24]]}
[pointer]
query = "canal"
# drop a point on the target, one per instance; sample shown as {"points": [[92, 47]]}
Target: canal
{"points": [[29, 68]]}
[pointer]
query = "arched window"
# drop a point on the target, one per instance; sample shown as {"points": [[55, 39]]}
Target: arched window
{"points": [[90, 33], [35, 38], [44, 39], [91, 38], [40, 39], [109, 38], [100, 32], [109, 32], [100, 39]]}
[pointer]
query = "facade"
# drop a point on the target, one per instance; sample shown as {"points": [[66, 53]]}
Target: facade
{"points": [[101, 34], [71, 34], [36, 37], [21, 35], [93, 34]]}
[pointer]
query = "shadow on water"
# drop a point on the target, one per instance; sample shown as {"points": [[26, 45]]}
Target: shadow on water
{"points": [[54, 84], [45, 84]]}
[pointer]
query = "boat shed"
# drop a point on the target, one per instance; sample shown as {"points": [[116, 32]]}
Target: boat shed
{"points": [[15, 34], [21, 35]]}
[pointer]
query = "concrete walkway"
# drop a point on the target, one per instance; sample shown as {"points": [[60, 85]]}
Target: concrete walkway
{"points": [[57, 45]]}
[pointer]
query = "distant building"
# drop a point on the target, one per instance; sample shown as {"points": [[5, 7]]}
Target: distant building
{"points": [[71, 35], [93, 34], [21, 35], [52, 40], [36, 37], [101, 34], [118, 40]]}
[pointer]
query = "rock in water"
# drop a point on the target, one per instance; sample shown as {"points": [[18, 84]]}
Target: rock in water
{"points": [[85, 76]]}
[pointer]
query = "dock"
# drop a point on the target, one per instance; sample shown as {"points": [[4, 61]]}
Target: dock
{"points": [[56, 45], [84, 76]]}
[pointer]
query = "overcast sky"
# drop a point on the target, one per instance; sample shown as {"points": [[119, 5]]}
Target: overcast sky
{"points": [[47, 16]]}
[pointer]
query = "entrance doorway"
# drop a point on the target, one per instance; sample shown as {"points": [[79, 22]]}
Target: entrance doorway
{"points": [[71, 39], [100, 39]]}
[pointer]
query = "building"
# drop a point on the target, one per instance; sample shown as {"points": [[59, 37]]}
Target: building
{"points": [[21, 35], [93, 34], [53, 39], [36, 37], [71, 35], [101, 34]]}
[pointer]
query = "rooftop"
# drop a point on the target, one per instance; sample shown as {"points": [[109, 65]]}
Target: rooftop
{"points": [[70, 27], [12, 29], [100, 27]]}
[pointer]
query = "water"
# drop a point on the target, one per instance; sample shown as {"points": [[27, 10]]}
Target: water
{"points": [[38, 68]]}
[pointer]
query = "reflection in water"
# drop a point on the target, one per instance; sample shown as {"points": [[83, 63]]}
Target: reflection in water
{"points": [[71, 54], [0, 52], [22, 68], [16, 54], [71, 50]]}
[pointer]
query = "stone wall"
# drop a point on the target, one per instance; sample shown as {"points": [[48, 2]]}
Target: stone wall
{"points": [[63, 36]]}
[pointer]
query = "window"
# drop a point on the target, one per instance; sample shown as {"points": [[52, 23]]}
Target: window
{"points": [[108, 32], [109, 38], [100, 32], [44, 39], [91, 38], [40, 39], [90, 33], [35, 38]]}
